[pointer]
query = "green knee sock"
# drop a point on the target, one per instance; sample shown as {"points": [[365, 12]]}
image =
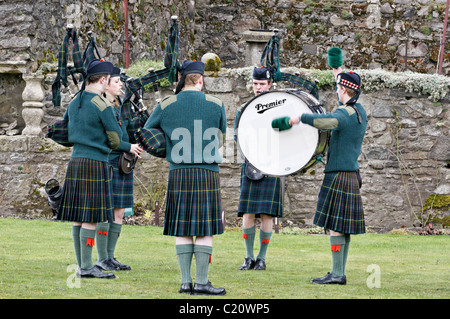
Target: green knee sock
{"points": [[184, 256], [264, 239], [113, 237], [347, 246], [249, 235], [76, 243], [202, 258], [87, 241], [101, 238], [337, 253]]}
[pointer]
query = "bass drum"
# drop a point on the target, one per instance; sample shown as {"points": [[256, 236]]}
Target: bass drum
{"points": [[274, 152]]}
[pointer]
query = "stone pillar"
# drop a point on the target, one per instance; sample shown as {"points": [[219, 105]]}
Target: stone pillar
{"points": [[32, 112], [256, 42]]}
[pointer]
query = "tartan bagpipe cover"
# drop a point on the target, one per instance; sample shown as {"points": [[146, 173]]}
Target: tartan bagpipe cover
{"points": [[59, 133], [62, 72], [152, 141], [171, 67], [270, 60]]}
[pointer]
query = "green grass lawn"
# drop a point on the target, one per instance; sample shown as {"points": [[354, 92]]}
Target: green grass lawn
{"points": [[36, 262]]}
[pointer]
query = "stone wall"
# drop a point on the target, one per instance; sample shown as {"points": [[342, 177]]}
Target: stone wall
{"points": [[392, 34], [405, 158]]}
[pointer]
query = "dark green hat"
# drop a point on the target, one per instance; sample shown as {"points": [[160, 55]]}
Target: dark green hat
{"points": [[115, 72], [189, 67], [261, 73], [97, 67], [335, 58]]}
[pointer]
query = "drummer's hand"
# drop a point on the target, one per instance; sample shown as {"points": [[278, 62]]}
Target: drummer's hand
{"points": [[294, 120], [337, 71], [136, 150]]}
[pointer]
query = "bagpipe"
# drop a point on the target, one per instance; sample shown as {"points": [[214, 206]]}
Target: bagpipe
{"points": [[134, 88], [131, 104], [152, 140], [80, 63], [264, 137]]}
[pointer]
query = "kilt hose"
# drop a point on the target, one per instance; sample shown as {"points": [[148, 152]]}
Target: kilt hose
{"points": [[122, 186], [87, 193], [339, 206], [260, 197], [193, 205]]}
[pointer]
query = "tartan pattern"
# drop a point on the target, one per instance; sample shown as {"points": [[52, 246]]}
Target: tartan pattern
{"points": [[193, 206], [136, 84], [339, 207], [86, 192], [269, 57], [295, 79], [171, 56], [260, 197], [61, 74], [171, 67], [59, 133], [270, 60], [152, 140], [135, 124], [122, 186], [89, 53]]}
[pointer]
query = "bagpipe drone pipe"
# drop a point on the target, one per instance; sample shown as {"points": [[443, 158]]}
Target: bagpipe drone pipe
{"points": [[270, 60], [134, 88]]}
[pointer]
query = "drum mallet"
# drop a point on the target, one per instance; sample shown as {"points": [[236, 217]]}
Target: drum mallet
{"points": [[281, 123]]}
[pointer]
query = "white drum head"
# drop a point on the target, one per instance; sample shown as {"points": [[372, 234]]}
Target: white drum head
{"points": [[271, 151]]}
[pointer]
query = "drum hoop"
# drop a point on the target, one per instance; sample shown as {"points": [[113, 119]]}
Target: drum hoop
{"points": [[311, 107], [305, 94]]}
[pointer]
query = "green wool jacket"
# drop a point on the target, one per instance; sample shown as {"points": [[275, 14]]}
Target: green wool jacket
{"points": [[346, 137], [194, 124], [92, 127]]}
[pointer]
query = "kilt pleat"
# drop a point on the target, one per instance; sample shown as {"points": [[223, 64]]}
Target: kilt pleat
{"points": [[339, 206], [193, 205], [86, 192], [122, 186], [260, 197]]}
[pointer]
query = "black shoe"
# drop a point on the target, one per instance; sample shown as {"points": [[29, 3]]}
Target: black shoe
{"points": [[186, 288], [94, 272], [119, 265], [260, 264], [107, 264], [207, 289], [248, 264], [330, 279]]}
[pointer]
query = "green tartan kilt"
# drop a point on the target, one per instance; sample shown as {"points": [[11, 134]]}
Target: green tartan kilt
{"points": [[87, 193], [260, 197], [193, 205], [339, 207], [122, 186]]}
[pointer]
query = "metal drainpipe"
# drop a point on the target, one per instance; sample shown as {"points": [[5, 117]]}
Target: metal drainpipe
{"points": [[441, 53], [127, 53]]}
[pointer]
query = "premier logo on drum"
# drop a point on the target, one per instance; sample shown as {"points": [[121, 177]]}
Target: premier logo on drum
{"points": [[261, 108]]}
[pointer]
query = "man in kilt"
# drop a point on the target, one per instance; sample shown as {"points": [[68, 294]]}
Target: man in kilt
{"points": [[193, 125], [93, 131], [107, 234], [261, 198], [339, 206]]}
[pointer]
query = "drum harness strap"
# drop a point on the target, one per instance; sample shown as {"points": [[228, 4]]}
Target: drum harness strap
{"points": [[351, 103]]}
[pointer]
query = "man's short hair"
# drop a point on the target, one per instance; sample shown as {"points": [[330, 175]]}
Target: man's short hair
{"points": [[350, 92], [192, 79], [95, 78]]}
